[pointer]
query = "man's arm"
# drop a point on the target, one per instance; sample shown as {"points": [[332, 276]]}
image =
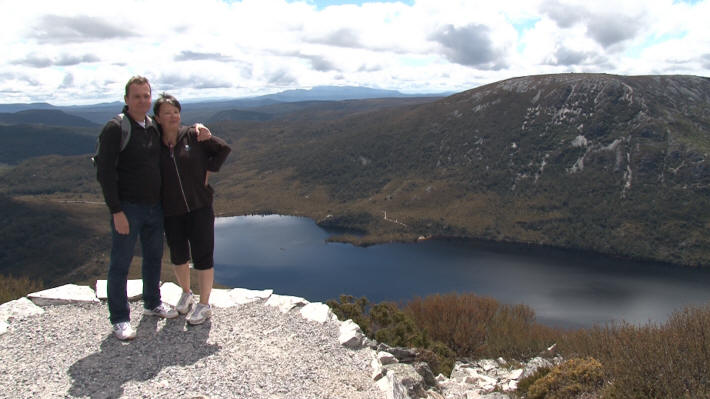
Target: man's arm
{"points": [[107, 175]]}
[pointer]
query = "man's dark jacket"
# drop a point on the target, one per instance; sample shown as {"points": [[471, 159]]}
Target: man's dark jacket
{"points": [[131, 175]]}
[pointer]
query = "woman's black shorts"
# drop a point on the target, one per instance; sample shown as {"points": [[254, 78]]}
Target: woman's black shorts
{"points": [[191, 233]]}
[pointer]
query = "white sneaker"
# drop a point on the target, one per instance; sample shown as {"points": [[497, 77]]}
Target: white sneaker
{"points": [[163, 310], [200, 314], [185, 303], [124, 331]]}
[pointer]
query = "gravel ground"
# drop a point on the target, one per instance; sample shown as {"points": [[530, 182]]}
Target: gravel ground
{"points": [[248, 351]]}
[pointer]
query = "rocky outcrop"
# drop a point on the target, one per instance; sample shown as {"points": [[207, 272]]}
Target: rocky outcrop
{"points": [[394, 371]]}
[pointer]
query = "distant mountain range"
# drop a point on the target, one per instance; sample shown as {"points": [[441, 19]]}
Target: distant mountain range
{"points": [[203, 110]]}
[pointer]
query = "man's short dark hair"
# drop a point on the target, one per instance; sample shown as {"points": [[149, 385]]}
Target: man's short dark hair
{"points": [[140, 80], [165, 98]]}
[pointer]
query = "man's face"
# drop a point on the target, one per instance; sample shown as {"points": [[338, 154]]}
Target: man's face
{"points": [[138, 99]]}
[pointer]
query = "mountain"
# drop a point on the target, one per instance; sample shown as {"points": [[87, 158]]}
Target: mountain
{"points": [[201, 110], [24, 107], [596, 162], [612, 164], [48, 117]]}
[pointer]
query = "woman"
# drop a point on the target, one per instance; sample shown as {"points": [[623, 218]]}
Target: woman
{"points": [[187, 203]]}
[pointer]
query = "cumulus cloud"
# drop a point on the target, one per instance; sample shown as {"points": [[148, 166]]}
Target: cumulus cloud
{"points": [[282, 78], [36, 61], [343, 37], [609, 30], [193, 81], [61, 29], [196, 56], [67, 82], [564, 15], [469, 45], [565, 56]]}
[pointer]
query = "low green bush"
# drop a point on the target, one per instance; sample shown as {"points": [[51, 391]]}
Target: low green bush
{"points": [[569, 380]]}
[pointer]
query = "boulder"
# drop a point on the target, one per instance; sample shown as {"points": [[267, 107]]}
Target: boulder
{"points": [[170, 293], [408, 377], [134, 289], [19, 309], [318, 312], [392, 388], [285, 302], [68, 293], [351, 335], [243, 296]]}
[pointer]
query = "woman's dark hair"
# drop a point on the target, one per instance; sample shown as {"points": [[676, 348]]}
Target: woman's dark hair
{"points": [[165, 98]]}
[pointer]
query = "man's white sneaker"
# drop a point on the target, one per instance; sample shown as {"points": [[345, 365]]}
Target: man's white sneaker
{"points": [[124, 331], [163, 310], [200, 314], [186, 301]]}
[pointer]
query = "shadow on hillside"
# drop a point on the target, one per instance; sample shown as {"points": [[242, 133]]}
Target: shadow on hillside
{"points": [[103, 374]]}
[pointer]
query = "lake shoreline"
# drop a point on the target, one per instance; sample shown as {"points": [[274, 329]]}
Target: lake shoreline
{"points": [[362, 238]]}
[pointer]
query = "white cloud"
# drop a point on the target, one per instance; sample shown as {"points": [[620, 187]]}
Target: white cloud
{"points": [[81, 51]]}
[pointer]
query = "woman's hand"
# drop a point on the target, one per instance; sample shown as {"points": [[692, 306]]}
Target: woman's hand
{"points": [[203, 133]]}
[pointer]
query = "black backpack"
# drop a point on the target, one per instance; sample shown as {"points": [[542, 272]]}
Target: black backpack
{"points": [[125, 124]]}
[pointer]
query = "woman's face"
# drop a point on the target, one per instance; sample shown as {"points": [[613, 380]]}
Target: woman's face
{"points": [[168, 116]]}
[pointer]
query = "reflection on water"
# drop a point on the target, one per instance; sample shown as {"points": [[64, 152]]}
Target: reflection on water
{"points": [[290, 255]]}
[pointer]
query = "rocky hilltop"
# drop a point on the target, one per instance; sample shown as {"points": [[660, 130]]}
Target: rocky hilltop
{"points": [[56, 344]]}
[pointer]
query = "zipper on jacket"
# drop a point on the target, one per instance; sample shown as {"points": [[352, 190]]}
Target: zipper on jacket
{"points": [[177, 171]]}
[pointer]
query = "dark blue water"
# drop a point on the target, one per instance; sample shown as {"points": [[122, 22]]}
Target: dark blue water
{"points": [[565, 288]]}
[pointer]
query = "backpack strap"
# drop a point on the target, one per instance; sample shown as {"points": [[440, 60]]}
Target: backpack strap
{"points": [[125, 124]]}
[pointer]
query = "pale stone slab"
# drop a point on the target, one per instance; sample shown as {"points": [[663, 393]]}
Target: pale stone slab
{"points": [[243, 296], [68, 293], [170, 293], [316, 311], [350, 335], [386, 358], [3, 327], [221, 298], [286, 302], [515, 374], [237, 296], [19, 309], [134, 289]]}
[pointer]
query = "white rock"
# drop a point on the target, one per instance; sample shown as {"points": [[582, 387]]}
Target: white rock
{"points": [[487, 364], [377, 370], [386, 358], [317, 311], [392, 389], [482, 381], [3, 327], [19, 309], [515, 374], [68, 293], [170, 293], [243, 296], [350, 335], [134, 289], [286, 302], [221, 298]]}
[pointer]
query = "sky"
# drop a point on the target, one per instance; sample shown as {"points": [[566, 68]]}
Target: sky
{"points": [[83, 52]]}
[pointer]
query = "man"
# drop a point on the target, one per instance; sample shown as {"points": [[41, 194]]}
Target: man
{"points": [[130, 181]]}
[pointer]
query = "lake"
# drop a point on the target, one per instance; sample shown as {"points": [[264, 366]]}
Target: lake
{"points": [[565, 288]]}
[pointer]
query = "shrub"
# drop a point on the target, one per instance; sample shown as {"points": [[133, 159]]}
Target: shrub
{"points": [[569, 380], [347, 307], [474, 326], [669, 360]]}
